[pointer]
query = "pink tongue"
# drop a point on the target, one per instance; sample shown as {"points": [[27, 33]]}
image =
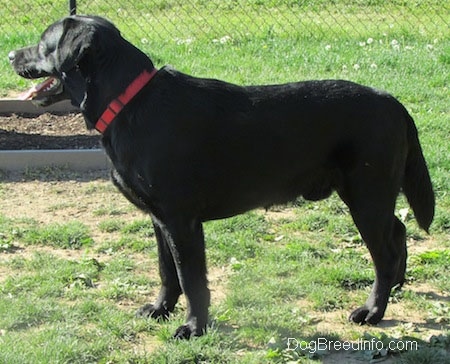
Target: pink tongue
{"points": [[34, 91]]}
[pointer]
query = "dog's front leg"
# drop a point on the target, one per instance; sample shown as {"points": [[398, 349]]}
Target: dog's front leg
{"points": [[185, 240], [170, 286]]}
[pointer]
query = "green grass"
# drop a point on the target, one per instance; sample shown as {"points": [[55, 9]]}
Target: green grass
{"points": [[67, 294], [281, 278], [263, 41], [70, 235]]}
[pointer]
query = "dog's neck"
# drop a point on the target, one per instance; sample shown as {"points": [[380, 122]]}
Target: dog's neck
{"points": [[107, 77], [116, 105]]}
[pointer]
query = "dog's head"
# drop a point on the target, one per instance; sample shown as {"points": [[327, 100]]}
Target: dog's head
{"points": [[62, 54]]}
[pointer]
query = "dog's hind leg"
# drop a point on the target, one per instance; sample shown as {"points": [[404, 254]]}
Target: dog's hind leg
{"points": [[170, 286], [399, 244], [372, 203], [389, 256]]}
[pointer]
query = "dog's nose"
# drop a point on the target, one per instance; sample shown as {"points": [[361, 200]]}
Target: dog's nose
{"points": [[11, 56]]}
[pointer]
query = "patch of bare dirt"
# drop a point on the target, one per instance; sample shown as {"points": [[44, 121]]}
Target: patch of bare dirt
{"points": [[46, 131], [89, 198]]}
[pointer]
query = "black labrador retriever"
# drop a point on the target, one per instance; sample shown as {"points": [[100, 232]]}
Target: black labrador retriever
{"points": [[187, 150]]}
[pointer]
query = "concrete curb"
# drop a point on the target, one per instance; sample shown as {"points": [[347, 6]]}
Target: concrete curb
{"points": [[26, 107], [75, 159]]}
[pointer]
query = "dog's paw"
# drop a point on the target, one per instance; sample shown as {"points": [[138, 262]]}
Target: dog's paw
{"points": [[363, 315], [185, 332], [153, 311]]}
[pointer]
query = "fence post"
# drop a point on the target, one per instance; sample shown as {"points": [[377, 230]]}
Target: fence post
{"points": [[72, 7]]}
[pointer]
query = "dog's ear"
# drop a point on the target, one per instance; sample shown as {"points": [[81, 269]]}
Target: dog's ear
{"points": [[76, 39]]}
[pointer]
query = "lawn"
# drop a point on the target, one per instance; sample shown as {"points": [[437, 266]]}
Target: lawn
{"points": [[76, 260]]}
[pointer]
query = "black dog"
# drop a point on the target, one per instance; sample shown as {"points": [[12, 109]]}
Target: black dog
{"points": [[188, 150]]}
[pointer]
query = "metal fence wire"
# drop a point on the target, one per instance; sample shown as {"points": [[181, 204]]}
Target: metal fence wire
{"points": [[176, 19]]}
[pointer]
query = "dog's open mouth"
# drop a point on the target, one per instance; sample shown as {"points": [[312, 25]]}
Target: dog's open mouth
{"points": [[41, 92]]}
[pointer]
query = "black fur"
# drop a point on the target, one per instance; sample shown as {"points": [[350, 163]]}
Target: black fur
{"points": [[187, 150]]}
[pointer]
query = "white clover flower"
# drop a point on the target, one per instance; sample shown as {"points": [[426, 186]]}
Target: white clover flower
{"points": [[395, 44], [369, 41], [186, 41], [233, 260], [225, 39], [356, 66], [403, 213], [328, 47], [362, 44], [373, 66]]}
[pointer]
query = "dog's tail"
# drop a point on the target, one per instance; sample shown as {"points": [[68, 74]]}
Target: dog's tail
{"points": [[416, 182]]}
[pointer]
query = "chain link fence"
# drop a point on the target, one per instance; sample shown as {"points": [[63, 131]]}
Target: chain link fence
{"points": [[176, 19]]}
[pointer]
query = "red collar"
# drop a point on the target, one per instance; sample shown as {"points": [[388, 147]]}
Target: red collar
{"points": [[116, 105]]}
